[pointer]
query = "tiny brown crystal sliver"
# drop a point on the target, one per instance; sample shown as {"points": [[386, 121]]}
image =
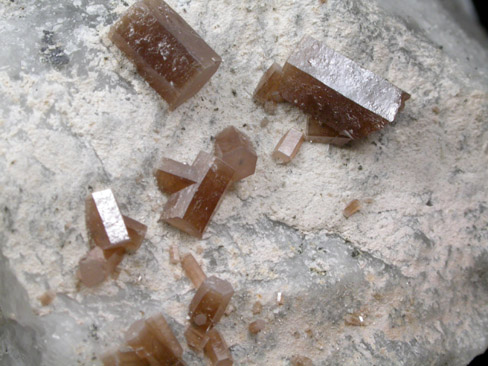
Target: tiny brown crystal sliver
{"points": [[353, 207], [257, 326], [193, 270], [288, 146], [217, 349], [173, 176]]}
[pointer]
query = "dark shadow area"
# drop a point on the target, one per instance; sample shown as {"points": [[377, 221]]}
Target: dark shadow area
{"points": [[481, 8], [481, 360]]}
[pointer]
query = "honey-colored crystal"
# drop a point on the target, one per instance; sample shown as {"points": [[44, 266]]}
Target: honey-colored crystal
{"points": [[257, 326], [288, 146], [235, 148], [168, 53], [97, 265], [153, 340], [196, 338], [353, 207], [269, 85], [319, 132], [137, 232], [338, 92], [217, 350], [193, 270], [173, 176], [209, 303], [122, 357], [191, 209]]}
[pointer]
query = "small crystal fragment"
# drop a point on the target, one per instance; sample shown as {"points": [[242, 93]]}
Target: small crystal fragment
{"points": [[319, 132], [257, 308], [269, 85], [168, 53], [193, 270], [196, 338], [235, 148], [257, 326], [355, 319], [174, 254], [122, 357], [209, 303], [173, 176], [279, 298], [217, 350], [353, 207], [338, 92], [104, 220], [297, 360], [47, 297], [137, 232], [288, 146], [96, 266]]}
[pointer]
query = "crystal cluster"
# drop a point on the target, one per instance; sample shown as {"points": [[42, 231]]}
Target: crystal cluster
{"points": [[345, 101], [113, 235], [167, 52], [196, 190]]}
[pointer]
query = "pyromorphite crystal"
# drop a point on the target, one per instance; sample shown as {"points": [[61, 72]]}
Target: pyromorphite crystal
{"points": [[172, 176], [320, 132], [288, 146], [168, 53], [338, 92], [217, 350]]}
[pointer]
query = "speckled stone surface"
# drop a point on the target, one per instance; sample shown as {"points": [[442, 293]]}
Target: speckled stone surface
{"points": [[75, 118]]}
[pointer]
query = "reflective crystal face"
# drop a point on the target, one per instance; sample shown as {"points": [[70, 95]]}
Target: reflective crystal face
{"points": [[235, 148], [168, 53], [173, 176], [196, 338], [98, 264], [210, 301], [268, 89], [288, 146], [137, 232], [320, 132], [217, 350], [193, 270]]}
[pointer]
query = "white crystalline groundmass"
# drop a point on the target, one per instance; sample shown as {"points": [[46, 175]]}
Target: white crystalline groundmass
{"points": [[76, 118]]}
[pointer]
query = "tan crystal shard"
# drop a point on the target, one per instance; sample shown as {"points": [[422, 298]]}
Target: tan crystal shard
{"points": [[196, 338], [319, 132], [235, 148], [297, 360], [96, 266], [104, 220], [269, 86], [153, 340], [257, 326], [122, 357], [173, 176], [174, 254], [288, 146], [217, 350], [168, 53], [353, 207], [193, 270], [338, 92], [191, 209], [209, 303]]}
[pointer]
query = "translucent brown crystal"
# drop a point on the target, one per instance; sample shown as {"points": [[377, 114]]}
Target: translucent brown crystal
{"points": [[268, 89], [122, 357], [257, 326], [137, 232], [153, 340], [98, 264], [353, 207], [173, 176], [193, 270], [196, 338], [298, 360], [338, 92], [217, 350], [320, 132], [235, 148], [191, 209], [168, 53], [209, 303], [257, 308], [288, 146]]}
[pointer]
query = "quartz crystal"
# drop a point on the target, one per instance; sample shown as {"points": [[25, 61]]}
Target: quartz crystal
{"points": [[96, 266], [257, 326], [153, 340], [288, 146], [269, 86], [320, 132], [196, 338], [173, 176], [191, 209], [122, 357], [235, 148], [353, 207], [209, 303], [167, 52], [217, 350], [193, 270], [338, 92]]}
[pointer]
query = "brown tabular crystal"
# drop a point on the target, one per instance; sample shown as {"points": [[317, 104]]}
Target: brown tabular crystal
{"points": [[191, 209], [96, 266], [153, 340], [257, 326], [217, 350], [104, 220], [319, 132], [338, 92], [173, 176], [209, 303], [193, 270], [288, 146], [137, 232], [168, 53], [196, 338], [122, 357], [269, 85], [353, 207], [297, 360], [235, 148], [174, 254]]}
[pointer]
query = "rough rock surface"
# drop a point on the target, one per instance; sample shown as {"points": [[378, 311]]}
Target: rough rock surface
{"points": [[75, 117]]}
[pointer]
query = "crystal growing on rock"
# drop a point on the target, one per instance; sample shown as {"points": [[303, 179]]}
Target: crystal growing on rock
{"points": [[217, 350], [319, 132], [168, 53], [288, 146], [137, 232], [98, 264], [353, 207], [209, 303], [257, 308], [122, 357], [338, 92], [174, 254], [257, 326], [298, 360], [196, 338], [172, 176], [269, 86], [193, 270], [235, 148]]}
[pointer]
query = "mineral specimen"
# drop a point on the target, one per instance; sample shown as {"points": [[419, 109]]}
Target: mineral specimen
{"points": [[122, 357], [257, 326], [191, 209], [235, 148], [137, 232], [209, 303], [153, 340], [193, 270], [173, 176], [95, 267], [353, 207], [168, 53], [320, 132], [338, 92], [288, 146], [196, 338], [217, 350], [269, 85]]}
